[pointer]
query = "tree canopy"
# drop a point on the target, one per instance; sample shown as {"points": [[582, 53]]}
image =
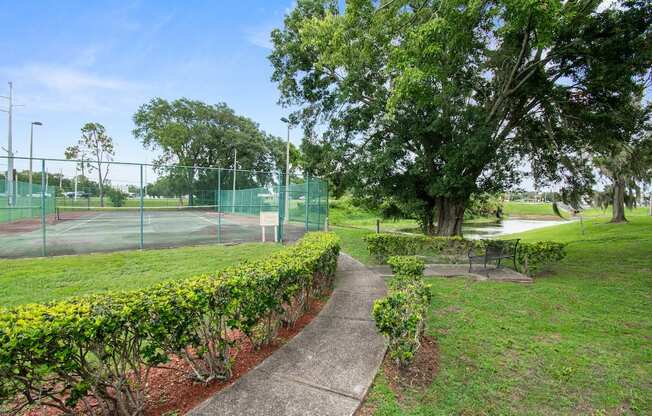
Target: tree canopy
{"points": [[434, 101], [195, 134], [95, 149]]}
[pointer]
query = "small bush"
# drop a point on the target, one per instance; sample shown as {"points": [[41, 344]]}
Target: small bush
{"points": [[400, 316], [534, 257], [406, 265]]}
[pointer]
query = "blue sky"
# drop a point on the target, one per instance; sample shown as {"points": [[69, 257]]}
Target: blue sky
{"points": [[78, 61]]}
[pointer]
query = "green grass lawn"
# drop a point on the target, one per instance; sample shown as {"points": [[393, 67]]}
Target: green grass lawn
{"points": [[544, 211], [577, 341], [45, 279]]}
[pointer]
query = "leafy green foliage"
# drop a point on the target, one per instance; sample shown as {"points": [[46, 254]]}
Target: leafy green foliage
{"points": [[432, 102], [104, 346], [95, 149], [382, 245], [406, 265], [400, 316], [116, 197], [192, 133], [545, 348], [532, 257]]}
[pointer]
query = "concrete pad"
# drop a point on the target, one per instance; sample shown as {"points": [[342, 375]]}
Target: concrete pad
{"points": [[259, 394], [340, 355]]}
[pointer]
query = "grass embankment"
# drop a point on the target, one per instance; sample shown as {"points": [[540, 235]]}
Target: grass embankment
{"points": [[344, 213], [577, 341], [45, 279], [541, 210]]}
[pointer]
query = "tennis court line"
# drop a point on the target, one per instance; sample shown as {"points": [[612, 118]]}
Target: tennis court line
{"points": [[79, 224]]}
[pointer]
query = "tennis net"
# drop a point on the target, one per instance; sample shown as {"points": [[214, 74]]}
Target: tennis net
{"points": [[67, 213]]}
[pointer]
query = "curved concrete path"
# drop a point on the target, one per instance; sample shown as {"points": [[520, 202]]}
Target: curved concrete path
{"points": [[327, 368]]}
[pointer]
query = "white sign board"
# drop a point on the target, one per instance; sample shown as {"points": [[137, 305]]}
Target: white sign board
{"points": [[268, 219]]}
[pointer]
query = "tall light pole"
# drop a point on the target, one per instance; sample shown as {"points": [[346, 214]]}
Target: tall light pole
{"points": [[287, 173], [31, 146], [9, 188]]}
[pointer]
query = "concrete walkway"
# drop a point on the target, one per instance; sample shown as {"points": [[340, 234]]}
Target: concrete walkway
{"points": [[477, 273], [327, 368]]}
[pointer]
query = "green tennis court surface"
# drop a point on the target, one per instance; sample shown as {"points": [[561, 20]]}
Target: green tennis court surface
{"points": [[72, 231]]}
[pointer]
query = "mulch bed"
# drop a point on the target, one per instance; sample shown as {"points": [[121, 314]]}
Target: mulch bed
{"points": [[170, 393], [418, 375]]}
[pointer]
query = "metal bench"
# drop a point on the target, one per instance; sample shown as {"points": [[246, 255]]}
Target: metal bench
{"points": [[495, 250]]}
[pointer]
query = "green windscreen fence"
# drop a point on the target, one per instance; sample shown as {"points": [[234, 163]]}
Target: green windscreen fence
{"points": [[23, 201], [141, 206]]}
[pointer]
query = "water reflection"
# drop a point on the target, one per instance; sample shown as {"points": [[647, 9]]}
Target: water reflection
{"points": [[495, 229]]}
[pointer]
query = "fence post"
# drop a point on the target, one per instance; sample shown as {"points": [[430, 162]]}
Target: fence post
{"points": [[44, 249], [281, 207], [219, 208], [307, 201], [377, 226], [142, 210], [319, 204], [327, 206]]}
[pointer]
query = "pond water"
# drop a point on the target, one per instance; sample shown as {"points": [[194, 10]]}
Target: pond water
{"points": [[495, 229]]}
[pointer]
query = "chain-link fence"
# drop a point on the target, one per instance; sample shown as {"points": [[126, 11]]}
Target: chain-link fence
{"points": [[82, 206]]}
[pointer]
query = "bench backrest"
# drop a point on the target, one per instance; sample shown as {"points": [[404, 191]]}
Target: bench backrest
{"points": [[502, 248]]}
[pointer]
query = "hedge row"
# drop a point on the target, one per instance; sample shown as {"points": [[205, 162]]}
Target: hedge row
{"points": [[383, 245], [400, 316], [531, 257], [103, 347]]}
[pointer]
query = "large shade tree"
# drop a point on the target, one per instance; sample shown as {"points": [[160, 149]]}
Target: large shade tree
{"points": [[434, 101], [192, 134]]}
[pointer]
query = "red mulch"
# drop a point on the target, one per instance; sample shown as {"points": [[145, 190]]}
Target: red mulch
{"points": [[25, 225], [169, 391], [419, 373]]}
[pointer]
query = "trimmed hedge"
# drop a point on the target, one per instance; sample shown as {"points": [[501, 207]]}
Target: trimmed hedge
{"points": [[531, 258], [406, 265], [400, 316], [534, 257], [383, 245], [104, 346]]}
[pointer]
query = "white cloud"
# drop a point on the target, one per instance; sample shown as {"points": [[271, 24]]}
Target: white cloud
{"points": [[70, 89], [606, 4], [71, 79], [260, 36]]}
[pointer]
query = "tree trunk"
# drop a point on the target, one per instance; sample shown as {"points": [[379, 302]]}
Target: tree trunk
{"points": [[618, 213], [428, 226], [101, 184], [450, 215]]}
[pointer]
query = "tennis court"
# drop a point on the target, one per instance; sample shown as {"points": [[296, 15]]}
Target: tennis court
{"points": [[70, 225], [113, 229]]}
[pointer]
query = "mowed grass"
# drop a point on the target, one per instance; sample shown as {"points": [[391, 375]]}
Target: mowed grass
{"points": [[528, 210], [53, 278], [578, 341]]}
